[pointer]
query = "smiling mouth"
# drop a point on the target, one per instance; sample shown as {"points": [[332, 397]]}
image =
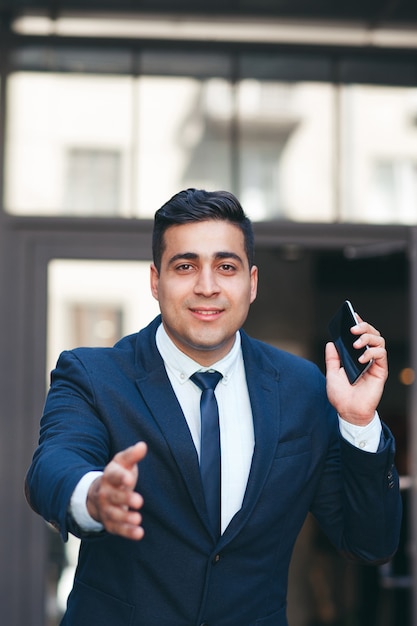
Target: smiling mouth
{"points": [[207, 313]]}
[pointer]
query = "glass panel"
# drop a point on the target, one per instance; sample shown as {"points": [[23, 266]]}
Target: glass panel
{"points": [[57, 126], [61, 59], [287, 67], [92, 181], [90, 303], [285, 150], [107, 145], [113, 146], [380, 154], [184, 138], [183, 63]]}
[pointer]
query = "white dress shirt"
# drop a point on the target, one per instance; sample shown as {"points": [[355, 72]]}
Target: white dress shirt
{"points": [[237, 438], [236, 426]]}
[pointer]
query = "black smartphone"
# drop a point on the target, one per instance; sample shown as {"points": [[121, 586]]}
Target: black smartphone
{"points": [[343, 339]]}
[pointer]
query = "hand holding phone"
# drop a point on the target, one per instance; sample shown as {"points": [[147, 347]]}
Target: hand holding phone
{"points": [[343, 339]]}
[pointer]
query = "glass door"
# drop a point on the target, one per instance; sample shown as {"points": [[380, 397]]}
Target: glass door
{"points": [[90, 303]]}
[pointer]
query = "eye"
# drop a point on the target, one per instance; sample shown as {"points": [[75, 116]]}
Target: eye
{"points": [[184, 267], [227, 267]]}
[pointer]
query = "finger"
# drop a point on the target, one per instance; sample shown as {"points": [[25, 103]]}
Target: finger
{"points": [[118, 477], [136, 533], [375, 348], [125, 524], [378, 355], [129, 457], [119, 497], [117, 516], [370, 340], [364, 327], [123, 470]]}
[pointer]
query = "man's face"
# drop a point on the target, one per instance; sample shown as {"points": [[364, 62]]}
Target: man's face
{"points": [[204, 287]]}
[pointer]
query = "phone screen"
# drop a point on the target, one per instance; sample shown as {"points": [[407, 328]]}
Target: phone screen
{"points": [[343, 339]]}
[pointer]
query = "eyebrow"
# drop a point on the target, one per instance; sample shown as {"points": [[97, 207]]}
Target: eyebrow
{"points": [[192, 256]]}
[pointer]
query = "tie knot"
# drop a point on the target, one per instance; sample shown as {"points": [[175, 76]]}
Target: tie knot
{"points": [[206, 380]]}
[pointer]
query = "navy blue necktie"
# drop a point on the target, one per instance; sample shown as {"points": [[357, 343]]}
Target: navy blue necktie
{"points": [[210, 466]]}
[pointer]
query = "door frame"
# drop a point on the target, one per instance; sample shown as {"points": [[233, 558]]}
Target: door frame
{"points": [[27, 245]]}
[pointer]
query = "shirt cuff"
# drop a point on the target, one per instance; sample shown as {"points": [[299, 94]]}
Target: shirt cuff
{"points": [[364, 437], [78, 504]]}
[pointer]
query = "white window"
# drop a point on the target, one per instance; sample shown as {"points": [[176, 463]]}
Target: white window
{"points": [[92, 182]]}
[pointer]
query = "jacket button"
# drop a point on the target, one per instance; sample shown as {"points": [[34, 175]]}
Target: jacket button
{"points": [[390, 478], [216, 559]]}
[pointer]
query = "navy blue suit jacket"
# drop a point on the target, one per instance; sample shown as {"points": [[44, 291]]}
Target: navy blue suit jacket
{"points": [[104, 400]]}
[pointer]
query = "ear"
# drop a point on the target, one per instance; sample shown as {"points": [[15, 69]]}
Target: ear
{"points": [[154, 281], [253, 283]]}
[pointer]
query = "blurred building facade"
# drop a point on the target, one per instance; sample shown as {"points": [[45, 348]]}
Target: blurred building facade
{"points": [[96, 132]]}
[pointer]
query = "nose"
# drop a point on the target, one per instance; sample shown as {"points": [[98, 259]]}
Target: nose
{"points": [[206, 283]]}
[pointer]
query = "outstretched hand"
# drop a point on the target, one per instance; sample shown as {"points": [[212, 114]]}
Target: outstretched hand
{"points": [[357, 403], [112, 499]]}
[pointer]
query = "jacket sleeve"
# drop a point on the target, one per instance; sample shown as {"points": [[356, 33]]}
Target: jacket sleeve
{"points": [[73, 440], [365, 523]]}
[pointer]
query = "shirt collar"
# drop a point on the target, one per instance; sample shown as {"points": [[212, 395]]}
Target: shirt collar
{"points": [[182, 366]]}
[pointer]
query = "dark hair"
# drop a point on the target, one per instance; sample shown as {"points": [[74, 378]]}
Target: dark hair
{"points": [[196, 205]]}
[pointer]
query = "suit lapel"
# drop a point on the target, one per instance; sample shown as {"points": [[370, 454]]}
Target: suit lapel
{"points": [[156, 390]]}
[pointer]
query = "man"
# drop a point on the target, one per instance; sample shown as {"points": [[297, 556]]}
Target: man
{"points": [[121, 442]]}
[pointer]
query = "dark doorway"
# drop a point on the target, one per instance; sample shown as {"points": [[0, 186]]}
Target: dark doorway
{"points": [[299, 290]]}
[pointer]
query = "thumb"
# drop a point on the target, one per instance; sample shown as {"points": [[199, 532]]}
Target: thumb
{"points": [[332, 358]]}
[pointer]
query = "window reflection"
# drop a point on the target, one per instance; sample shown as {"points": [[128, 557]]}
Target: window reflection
{"points": [[283, 127], [92, 181], [120, 146], [183, 137], [66, 136], [380, 160], [101, 145], [107, 145]]}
